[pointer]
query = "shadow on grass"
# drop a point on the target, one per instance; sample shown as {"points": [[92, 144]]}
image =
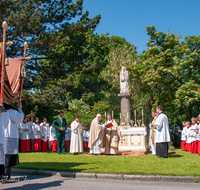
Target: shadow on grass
{"points": [[54, 166], [174, 155]]}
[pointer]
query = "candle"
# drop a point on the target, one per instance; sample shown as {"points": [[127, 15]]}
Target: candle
{"points": [[112, 114], [135, 115], [127, 115]]}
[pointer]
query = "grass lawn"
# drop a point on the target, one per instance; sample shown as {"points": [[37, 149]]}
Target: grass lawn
{"points": [[179, 163]]}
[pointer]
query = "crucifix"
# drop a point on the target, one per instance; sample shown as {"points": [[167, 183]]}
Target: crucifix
{"points": [[31, 115]]}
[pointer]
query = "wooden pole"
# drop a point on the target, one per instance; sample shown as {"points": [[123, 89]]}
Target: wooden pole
{"points": [[3, 62], [22, 78]]}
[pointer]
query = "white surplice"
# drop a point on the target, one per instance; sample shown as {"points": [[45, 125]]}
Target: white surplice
{"points": [[12, 131], [163, 132]]}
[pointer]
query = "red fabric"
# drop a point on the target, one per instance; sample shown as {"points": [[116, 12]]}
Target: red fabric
{"points": [[194, 147], [54, 146], [12, 80], [183, 144], [36, 144], [67, 144], [199, 148], [24, 122], [44, 146], [188, 147], [25, 145], [85, 145]]}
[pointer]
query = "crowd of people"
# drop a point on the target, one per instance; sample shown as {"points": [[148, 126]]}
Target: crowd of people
{"points": [[187, 139], [44, 137], [190, 138]]}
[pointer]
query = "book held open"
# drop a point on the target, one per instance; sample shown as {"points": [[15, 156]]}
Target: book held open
{"points": [[109, 125]]}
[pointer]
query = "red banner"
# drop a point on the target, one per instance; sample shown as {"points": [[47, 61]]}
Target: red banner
{"points": [[12, 79]]}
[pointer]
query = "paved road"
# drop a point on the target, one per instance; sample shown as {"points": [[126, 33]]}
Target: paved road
{"points": [[45, 182]]}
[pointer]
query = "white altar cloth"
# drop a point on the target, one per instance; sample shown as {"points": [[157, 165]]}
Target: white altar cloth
{"points": [[134, 131]]}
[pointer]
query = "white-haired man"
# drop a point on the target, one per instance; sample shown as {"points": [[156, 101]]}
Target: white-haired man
{"points": [[96, 135]]}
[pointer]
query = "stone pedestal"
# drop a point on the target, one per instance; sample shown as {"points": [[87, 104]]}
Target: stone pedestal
{"points": [[125, 108]]}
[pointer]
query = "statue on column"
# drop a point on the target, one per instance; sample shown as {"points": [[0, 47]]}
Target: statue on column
{"points": [[124, 80]]}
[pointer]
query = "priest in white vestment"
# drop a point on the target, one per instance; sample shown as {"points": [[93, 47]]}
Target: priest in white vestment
{"points": [[162, 133], [76, 145], [112, 136], [96, 136]]}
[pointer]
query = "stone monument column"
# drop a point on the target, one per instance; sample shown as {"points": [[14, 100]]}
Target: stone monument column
{"points": [[125, 108], [125, 97]]}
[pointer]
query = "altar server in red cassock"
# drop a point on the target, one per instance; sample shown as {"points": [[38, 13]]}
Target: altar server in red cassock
{"points": [[45, 135], [37, 133], [193, 133], [86, 134], [48, 126], [188, 140], [183, 136], [52, 138], [198, 134], [25, 135], [68, 137]]}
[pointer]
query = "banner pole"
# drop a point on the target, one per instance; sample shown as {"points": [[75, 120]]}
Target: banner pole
{"points": [[22, 78], [3, 65]]}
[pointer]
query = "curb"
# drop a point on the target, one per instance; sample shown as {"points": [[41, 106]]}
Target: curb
{"points": [[146, 178]]}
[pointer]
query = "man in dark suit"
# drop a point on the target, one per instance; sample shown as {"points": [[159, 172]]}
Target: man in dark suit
{"points": [[60, 125]]}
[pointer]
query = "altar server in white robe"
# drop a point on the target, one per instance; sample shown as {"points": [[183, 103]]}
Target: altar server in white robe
{"points": [[153, 133], [25, 136], [48, 126], [76, 145], [37, 134], [68, 137], [52, 138], [12, 137], [86, 134], [96, 136], [3, 125], [31, 131], [162, 133], [45, 135]]}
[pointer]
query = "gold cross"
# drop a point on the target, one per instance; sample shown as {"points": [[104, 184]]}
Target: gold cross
{"points": [[32, 115]]}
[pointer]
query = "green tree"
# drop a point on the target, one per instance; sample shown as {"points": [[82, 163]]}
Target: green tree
{"points": [[170, 71]]}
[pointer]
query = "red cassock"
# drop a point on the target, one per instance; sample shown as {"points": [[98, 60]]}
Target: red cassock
{"points": [[188, 147], [183, 143], [25, 145], [44, 146], [85, 145], [37, 144], [67, 144], [199, 148], [194, 147], [54, 146]]}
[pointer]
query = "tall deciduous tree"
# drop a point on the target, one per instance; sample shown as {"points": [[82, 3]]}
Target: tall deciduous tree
{"points": [[169, 72]]}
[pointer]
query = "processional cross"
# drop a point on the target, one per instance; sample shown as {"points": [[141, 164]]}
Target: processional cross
{"points": [[32, 115]]}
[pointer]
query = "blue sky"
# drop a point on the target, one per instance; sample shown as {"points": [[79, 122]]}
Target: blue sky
{"points": [[129, 18]]}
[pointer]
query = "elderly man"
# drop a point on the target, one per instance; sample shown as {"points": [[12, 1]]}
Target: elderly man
{"points": [[96, 136]]}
